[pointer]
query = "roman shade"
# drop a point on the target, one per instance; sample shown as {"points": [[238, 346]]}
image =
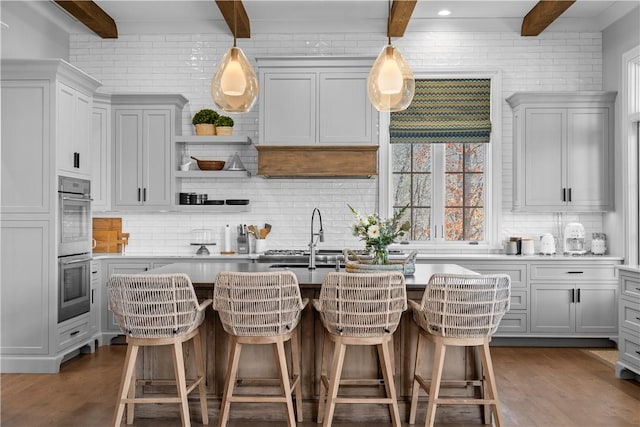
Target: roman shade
{"points": [[445, 111]]}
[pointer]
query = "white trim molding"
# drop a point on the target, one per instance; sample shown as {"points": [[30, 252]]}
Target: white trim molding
{"points": [[630, 114]]}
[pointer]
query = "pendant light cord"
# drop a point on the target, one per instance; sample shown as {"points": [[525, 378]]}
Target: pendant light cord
{"points": [[389, 22], [235, 23]]}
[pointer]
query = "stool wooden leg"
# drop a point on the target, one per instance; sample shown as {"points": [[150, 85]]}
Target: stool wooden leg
{"points": [[416, 385], [285, 385], [127, 372], [181, 382], [132, 395], [323, 373], [436, 377], [197, 349], [336, 372], [487, 366], [295, 363], [387, 372], [232, 370]]}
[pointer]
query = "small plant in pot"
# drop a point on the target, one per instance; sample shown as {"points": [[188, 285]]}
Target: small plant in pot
{"points": [[224, 125], [204, 121]]}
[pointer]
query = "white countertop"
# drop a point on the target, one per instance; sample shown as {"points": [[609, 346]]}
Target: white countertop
{"points": [[631, 268]]}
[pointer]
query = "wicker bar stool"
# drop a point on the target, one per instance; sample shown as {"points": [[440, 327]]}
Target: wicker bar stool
{"points": [[261, 308], [359, 309], [158, 310], [459, 311]]}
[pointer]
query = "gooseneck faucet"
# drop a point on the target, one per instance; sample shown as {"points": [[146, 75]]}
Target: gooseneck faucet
{"points": [[312, 244]]}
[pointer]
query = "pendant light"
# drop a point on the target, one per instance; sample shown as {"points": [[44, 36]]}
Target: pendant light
{"points": [[234, 87], [391, 84]]}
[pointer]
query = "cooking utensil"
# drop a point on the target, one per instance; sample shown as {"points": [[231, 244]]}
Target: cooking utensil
{"points": [[263, 233], [268, 228], [209, 165], [253, 231]]}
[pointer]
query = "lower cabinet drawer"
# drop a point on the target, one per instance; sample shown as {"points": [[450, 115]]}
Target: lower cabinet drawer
{"points": [[512, 323], [517, 272], [629, 285], [629, 348], [70, 334], [572, 273], [630, 315], [518, 300]]}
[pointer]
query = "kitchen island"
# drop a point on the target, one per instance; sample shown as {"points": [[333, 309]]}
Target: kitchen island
{"points": [[257, 361]]}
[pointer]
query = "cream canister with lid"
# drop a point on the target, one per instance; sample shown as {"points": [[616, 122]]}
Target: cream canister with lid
{"points": [[527, 246]]}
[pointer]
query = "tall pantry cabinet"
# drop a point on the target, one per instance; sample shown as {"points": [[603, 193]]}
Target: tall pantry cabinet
{"points": [[46, 117]]}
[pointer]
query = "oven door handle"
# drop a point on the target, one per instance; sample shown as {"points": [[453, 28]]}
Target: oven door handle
{"points": [[75, 261], [77, 199]]}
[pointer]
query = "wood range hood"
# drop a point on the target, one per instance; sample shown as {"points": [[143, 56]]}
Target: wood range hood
{"points": [[317, 161]]}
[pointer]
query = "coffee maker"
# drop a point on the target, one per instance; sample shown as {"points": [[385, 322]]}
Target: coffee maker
{"points": [[574, 239]]}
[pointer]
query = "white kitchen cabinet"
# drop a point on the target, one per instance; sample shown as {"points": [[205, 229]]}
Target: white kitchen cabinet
{"points": [[101, 153], [628, 365], [316, 101], [94, 312], [143, 130], [563, 151], [576, 299], [74, 120]]}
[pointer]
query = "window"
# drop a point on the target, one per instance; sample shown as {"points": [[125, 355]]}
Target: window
{"points": [[450, 187]]}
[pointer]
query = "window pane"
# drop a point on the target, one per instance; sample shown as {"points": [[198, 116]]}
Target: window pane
{"points": [[402, 189], [401, 157], [454, 157], [453, 224], [473, 224], [421, 190], [421, 224], [421, 157], [474, 189], [454, 191], [474, 157]]}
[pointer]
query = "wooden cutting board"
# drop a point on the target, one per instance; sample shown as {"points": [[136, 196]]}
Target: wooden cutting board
{"points": [[107, 224], [108, 235]]}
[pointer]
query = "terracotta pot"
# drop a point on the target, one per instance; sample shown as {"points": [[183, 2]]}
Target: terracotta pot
{"points": [[205, 129], [224, 130]]}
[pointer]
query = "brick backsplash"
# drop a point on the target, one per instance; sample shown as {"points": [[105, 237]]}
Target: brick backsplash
{"points": [[185, 63]]}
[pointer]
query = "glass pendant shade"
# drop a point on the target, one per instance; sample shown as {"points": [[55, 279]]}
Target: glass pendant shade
{"points": [[391, 85], [234, 87]]}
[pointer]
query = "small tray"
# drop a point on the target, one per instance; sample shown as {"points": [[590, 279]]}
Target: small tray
{"points": [[237, 201], [214, 202]]}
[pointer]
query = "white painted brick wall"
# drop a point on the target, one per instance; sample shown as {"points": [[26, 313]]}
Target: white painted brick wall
{"points": [[185, 63]]}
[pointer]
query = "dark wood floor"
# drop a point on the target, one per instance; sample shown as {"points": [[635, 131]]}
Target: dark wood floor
{"points": [[537, 386]]}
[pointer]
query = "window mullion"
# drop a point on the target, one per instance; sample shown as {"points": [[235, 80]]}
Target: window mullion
{"points": [[438, 191]]}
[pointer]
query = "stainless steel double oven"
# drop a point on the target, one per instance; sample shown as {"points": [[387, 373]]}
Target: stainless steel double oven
{"points": [[74, 247]]}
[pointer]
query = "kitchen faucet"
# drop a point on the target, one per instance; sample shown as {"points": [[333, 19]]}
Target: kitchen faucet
{"points": [[312, 244]]}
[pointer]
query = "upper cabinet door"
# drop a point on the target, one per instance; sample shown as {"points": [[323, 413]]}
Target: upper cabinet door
{"points": [[288, 113], [73, 119], [128, 158], [345, 110], [156, 152], [544, 156], [588, 148]]}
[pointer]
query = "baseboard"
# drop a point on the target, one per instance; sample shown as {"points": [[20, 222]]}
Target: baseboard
{"points": [[553, 342], [30, 364]]}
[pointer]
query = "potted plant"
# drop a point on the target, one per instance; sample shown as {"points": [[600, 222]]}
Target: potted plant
{"points": [[204, 121], [224, 125]]}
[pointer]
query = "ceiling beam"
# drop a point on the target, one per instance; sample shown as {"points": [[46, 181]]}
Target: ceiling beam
{"points": [[399, 17], [92, 16], [542, 15], [237, 18]]}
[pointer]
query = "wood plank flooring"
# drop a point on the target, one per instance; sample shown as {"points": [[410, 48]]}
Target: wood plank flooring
{"points": [[544, 387]]}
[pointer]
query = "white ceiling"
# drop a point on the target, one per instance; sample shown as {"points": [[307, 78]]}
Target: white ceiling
{"points": [[344, 16]]}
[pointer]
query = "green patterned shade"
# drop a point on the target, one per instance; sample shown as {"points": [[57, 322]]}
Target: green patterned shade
{"points": [[445, 111]]}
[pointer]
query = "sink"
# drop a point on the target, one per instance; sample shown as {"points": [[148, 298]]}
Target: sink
{"points": [[304, 265]]}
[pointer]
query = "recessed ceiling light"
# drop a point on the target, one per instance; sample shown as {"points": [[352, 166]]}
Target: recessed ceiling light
{"points": [[444, 12]]}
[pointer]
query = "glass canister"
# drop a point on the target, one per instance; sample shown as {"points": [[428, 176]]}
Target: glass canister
{"points": [[598, 243]]}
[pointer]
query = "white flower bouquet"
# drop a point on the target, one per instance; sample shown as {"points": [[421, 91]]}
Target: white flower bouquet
{"points": [[378, 234]]}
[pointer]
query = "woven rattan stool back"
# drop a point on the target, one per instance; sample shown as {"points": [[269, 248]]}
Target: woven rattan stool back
{"points": [[257, 304], [362, 305], [154, 305], [464, 306]]}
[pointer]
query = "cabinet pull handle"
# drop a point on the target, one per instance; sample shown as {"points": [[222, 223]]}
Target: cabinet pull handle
{"points": [[144, 194], [138, 193], [575, 272], [637, 351], [569, 194], [578, 298], [564, 194], [74, 333], [637, 318], [637, 289], [93, 291], [573, 295]]}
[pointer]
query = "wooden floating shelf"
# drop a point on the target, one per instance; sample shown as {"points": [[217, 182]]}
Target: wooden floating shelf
{"points": [[212, 174], [212, 140]]}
